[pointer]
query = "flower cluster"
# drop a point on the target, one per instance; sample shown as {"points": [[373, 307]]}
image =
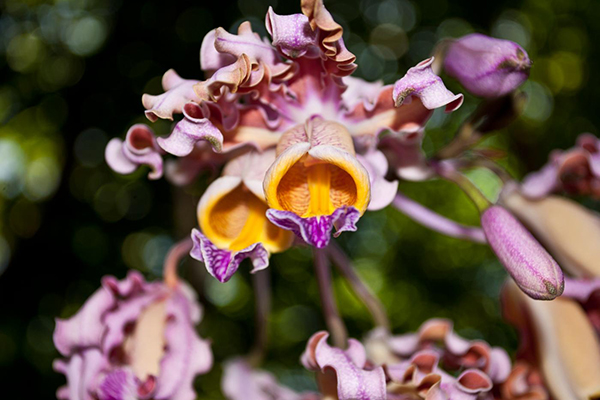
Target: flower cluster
{"points": [[304, 150]]}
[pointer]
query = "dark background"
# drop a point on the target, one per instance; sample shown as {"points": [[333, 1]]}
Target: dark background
{"points": [[72, 75]]}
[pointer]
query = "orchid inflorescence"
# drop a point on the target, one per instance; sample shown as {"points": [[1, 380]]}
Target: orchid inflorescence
{"points": [[305, 150]]}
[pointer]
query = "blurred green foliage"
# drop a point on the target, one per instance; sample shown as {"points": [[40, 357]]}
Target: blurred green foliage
{"points": [[72, 75]]}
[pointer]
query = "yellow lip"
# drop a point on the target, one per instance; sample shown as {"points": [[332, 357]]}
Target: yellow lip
{"points": [[233, 218], [312, 177]]}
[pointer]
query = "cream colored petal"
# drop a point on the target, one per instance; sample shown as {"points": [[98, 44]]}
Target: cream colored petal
{"points": [[568, 349], [569, 231]]}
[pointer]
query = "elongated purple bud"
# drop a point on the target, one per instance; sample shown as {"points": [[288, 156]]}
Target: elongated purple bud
{"points": [[529, 264], [485, 66]]}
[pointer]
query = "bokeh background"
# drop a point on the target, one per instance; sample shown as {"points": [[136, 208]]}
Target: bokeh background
{"points": [[72, 75]]}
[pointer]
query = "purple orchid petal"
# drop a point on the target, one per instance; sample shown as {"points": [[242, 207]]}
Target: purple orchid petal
{"points": [[194, 127], [316, 231], [84, 329], [222, 264], [422, 82], [241, 382], [210, 58], [580, 289], [178, 92], [249, 43], [188, 354], [359, 91], [541, 183], [118, 385], [436, 222], [382, 190], [485, 66], [81, 371], [291, 34], [530, 265], [352, 379], [139, 148]]}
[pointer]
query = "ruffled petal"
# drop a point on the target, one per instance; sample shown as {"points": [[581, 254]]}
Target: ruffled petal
{"points": [[187, 354], [139, 148], [422, 82], [210, 59], [351, 378], [178, 92], [316, 231], [339, 60], [291, 34], [194, 127], [222, 264], [82, 371], [86, 328], [403, 108]]}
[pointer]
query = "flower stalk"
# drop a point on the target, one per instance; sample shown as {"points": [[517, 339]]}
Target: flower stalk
{"points": [[362, 291], [334, 322], [448, 172], [176, 253], [262, 298]]}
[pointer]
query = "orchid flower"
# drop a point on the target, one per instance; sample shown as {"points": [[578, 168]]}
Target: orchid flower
{"points": [[295, 93], [559, 340], [132, 340], [233, 221]]}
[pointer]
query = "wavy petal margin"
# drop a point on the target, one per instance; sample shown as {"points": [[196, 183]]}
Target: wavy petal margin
{"points": [[222, 264]]}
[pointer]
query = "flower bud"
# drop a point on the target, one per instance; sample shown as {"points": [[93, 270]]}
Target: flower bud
{"points": [[529, 264], [485, 66]]}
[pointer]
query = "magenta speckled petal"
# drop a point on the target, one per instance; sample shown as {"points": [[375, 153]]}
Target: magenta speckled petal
{"points": [[118, 385], [178, 92], [194, 127], [530, 265], [139, 148], [352, 378], [316, 231], [222, 264], [485, 66], [422, 82], [291, 34]]}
